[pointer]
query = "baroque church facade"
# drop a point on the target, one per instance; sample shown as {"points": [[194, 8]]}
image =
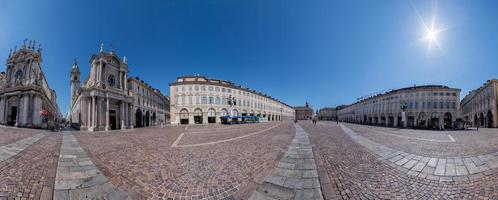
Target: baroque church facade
{"points": [[109, 100], [103, 101], [26, 100]]}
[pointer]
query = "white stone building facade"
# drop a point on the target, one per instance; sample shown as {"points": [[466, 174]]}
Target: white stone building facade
{"points": [[150, 106], [479, 107], [200, 100], [429, 106], [24, 91]]}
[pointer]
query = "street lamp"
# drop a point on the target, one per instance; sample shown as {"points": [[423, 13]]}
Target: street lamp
{"points": [[403, 107], [231, 101]]}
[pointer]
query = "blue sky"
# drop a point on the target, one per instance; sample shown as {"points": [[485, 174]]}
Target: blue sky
{"points": [[324, 52]]}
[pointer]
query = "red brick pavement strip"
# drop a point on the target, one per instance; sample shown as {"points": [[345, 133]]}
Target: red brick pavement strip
{"points": [[31, 173], [11, 134], [143, 164], [348, 170]]}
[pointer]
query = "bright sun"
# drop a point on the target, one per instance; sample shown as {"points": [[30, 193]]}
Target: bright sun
{"points": [[431, 36], [431, 31]]}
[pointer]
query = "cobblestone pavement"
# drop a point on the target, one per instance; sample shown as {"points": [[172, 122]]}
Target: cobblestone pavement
{"points": [[142, 162], [466, 143], [14, 148], [31, 173], [78, 178], [209, 137], [11, 134], [460, 168], [295, 176], [349, 170]]}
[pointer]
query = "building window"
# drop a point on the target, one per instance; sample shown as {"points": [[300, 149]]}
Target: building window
{"points": [[210, 88], [111, 80], [196, 88], [211, 100], [203, 88], [217, 100], [204, 100]]}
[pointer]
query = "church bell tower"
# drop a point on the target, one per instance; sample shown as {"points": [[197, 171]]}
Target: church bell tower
{"points": [[75, 81]]}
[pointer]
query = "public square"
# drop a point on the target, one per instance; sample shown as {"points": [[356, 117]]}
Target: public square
{"points": [[274, 160]]}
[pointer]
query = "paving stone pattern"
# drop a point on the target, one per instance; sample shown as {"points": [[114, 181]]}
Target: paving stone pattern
{"points": [[31, 173], [295, 176], [78, 178], [17, 147], [431, 143], [348, 170], [12, 134], [453, 168], [144, 165]]}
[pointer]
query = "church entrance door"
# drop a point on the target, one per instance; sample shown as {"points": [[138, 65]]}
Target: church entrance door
{"points": [[112, 119], [13, 116]]}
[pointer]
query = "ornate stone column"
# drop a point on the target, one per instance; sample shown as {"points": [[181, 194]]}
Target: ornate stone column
{"points": [[125, 79], [94, 113], [123, 127], [31, 111], [89, 114], [2, 109], [132, 120], [98, 73], [107, 115], [18, 110]]}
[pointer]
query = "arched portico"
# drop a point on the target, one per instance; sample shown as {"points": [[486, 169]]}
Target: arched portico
{"points": [[198, 116], [489, 119], [138, 118], [211, 115], [447, 120], [184, 119]]}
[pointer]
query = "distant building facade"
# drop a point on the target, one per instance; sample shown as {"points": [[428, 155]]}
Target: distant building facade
{"points": [[200, 100], [26, 100], [304, 112], [327, 114], [429, 106], [479, 107], [151, 107]]}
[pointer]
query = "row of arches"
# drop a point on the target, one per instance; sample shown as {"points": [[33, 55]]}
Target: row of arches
{"points": [[212, 116], [484, 120], [144, 119], [414, 120]]}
